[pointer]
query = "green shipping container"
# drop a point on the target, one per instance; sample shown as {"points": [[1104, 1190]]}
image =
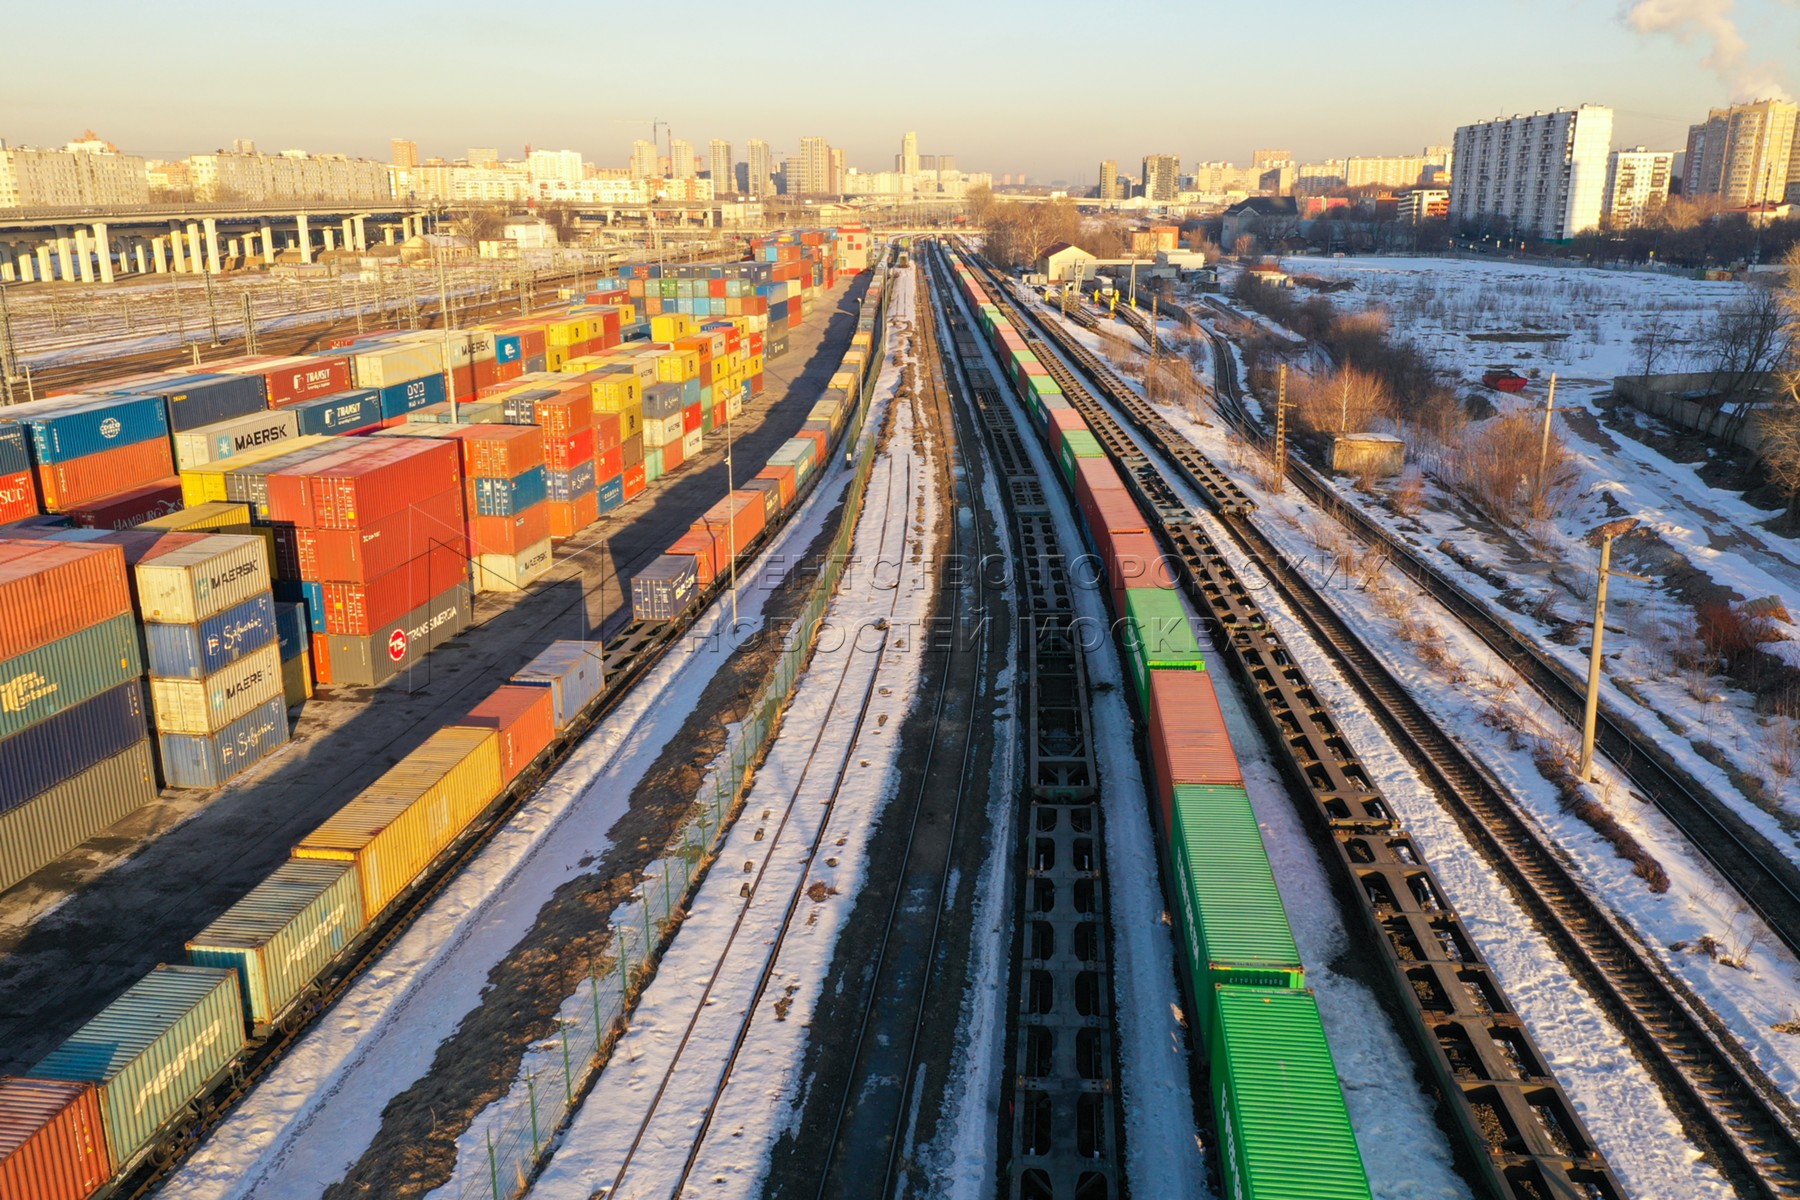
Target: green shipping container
{"points": [[46, 827], [1233, 926], [42, 682], [153, 1050], [1283, 1128], [1043, 385], [280, 936], [1077, 443], [1158, 634]]}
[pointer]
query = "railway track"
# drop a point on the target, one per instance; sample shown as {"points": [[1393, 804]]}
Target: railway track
{"points": [[1723, 1099]]}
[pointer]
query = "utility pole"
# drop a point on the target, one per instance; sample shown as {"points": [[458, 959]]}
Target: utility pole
{"points": [[1344, 403], [250, 325], [730, 487], [1281, 407], [9, 354], [1607, 533], [212, 313], [444, 328], [1544, 446]]}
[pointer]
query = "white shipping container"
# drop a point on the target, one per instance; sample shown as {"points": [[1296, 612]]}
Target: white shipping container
{"points": [[397, 363], [512, 572], [210, 443], [692, 443], [734, 405], [186, 586], [662, 431], [462, 347], [202, 706]]}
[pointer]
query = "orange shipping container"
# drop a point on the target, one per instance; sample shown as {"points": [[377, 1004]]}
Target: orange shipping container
{"points": [[708, 554], [784, 475], [735, 522], [570, 517], [67, 484], [509, 535], [524, 719], [52, 1140]]}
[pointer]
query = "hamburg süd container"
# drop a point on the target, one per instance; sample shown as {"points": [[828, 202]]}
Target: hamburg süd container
{"points": [[52, 1140], [58, 675], [665, 589], [209, 760], [45, 828], [523, 718], [574, 673], [280, 936], [152, 1051], [193, 651], [195, 582], [40, 756], [128, 510], [209, 705], [1283, 1127]]}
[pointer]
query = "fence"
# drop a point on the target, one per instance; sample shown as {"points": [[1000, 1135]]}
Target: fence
{"points": [[517, 1141]]}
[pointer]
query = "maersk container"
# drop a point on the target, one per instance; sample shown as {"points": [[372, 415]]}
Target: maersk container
{"points": [[209, 705], [403, 820], [280, 936], [1284, 1130], [52, 1140], [211, 443], [343, 412], [40, 683], [368, 661], [209, 760], [505, 497], [195, 582], [193, 651], [566, 485], [665, 589], [1158, 634], [512, 572], [398, 399], [575, 672], [40, 756], [63, 434], [45, 828], [196, 400], [152, 1051]]}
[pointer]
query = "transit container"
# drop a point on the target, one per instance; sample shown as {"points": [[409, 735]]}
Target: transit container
{"points": [[52, 1140], [58, 675], [1233, 926], [573, 672], [45, 828], [212, 443], [349, 660], [1188, 740], [1278, 1102], [93, 426], [62, 746], [1158, 633], [208, 705], [296, 379], [152, 1051], [501, 497], [362, 608], [128, 510], [283, 934], [347, 411], [524, 720], [399, 399], [508, 535], [191, 760], [192, 651], [362, 484], [401, 822], [735, 522], [77, 481], [194, 582], [213, 516], [196, 400], [1076, 445], [512, 572], [374, 549], [665, 589], [783, 475]]}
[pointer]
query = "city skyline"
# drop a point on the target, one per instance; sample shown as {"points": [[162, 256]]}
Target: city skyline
{"points": [[1661, 67]]}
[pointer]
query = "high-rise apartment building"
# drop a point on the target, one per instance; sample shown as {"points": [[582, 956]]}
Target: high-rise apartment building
{"points": [[1544, 175], [243, 145], [1109, 179], [834, 181], [1743, 154], [681, 159], [760, 181], [718, 165], [644, 163], [89, 172], [487, 157], [402, 153], [907, 162], [814, 168], [565, 165], [1263, 160], [1162, 177], [1637, 185]]}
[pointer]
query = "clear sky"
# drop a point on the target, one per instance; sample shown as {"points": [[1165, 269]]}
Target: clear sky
{"points": [[1048, 87]]}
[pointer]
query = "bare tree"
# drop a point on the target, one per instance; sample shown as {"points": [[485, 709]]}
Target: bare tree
{"points": [[1742, 345], [1654, 338], [1780, 447]]}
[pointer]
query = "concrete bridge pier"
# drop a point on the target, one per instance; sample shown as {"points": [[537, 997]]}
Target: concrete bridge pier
{"points": [[268, 244], [103, 244], [305, 242]]}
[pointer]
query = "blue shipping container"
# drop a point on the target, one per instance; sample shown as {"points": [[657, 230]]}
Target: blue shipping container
{"points": [[566, 485], [572, 671], [612, 494], [196, 400], [507, 347], [195, 651], [293, 630], [401, 398], [507, 497], [91, 426], [341, 412], [14, 458], [205, 761], [306, 594], [39, 757]]}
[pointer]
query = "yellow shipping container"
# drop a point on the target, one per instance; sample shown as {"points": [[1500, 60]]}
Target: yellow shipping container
{"points": [[555, 357], [564, 333], [297, 678], [617, 386], [669, 326], [843, 381], [205, 483], [863, 340], [678, 366], [582, 365], [754, 364], [406, 818], [631, 418], [222, 515]]}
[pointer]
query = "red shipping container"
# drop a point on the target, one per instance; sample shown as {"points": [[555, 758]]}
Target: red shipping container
{"points": [[130, 508], [1094, 475], [321, 659], [508, 535], [609, 465], [564, 453], [1111, 513], [690, 418], [18, 499], [563, 414], [531, 340], [700, 543], [362, 608], [52, 1140], [372, 550], [1188, 741], [634, 481], [735, 521], [487, 373], [719, 415], [819, 438], [498, 450], [672, 456], [1063, 420], [570, 517], [49, 590], [784, 476], [66, 485], [608, 432], [370, 480], [507, 371], [524, 718], [293, 379]]}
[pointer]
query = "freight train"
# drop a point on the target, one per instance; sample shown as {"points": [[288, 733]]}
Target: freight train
{"points": [[1283, 1128], [133, 1089]]}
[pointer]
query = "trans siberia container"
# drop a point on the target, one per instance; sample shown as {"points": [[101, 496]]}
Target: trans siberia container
{"points": [[59, 675], [210, 443], [664, 589], [341, 412], [360, 608], [188, 585], [208, 760], [367, 661], [574, 673], [209, 705], [512, 572], [280, 936], [524, 718], [1283, 1127], [191, 651], [402, 821], [1158, 634], [52, 1140], [61, 434], [43, 829], [40, 756], [196, 400], [152, 1051]]}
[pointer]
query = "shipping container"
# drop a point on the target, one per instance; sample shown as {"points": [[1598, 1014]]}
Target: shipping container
{"points": [[193, 651], [1157, 633], [1278, 1103], [190, 584], [58, 675], [52, 1140], [364, 483], [566, 485], [784, 477], [375, 549], [192, 760], [501, 497], [213, 516], [508, 535], [1076, 445], [512, 572], [1188, 741], [399, 399], [152, 1051], [297, 678], [18, 496], [297, 379], [209, 705], [128, 510], [40, 756], [196, 400], [283, 934], [213, 443], [43, 829], [209, 482], [77, 481], [361, 608], [570, 517], [573, 672], [665, 589], [405, 819], [90, 427], [342, 412], [396, 364], [345, 660], [735, 522], [524, 720], [1136, 561]]}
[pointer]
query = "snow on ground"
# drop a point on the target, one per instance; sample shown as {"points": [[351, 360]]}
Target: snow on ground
{"points": [[824, 784], [314, 1115]]}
